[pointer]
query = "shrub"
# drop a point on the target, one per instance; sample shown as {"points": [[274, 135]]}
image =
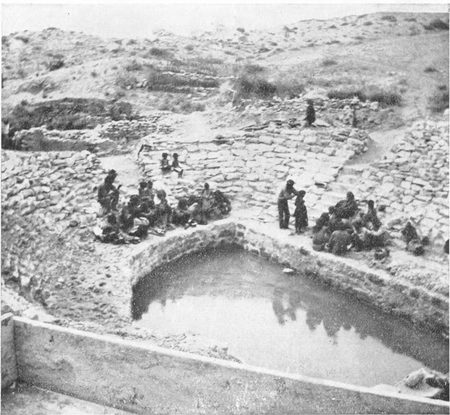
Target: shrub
{"points": [[133, 66], [94, 74], [256, 86], [23, 39], [346, 94], [410, 19], [56, 62], [430, 69], [125, 79], [436, 24], [159, 53], [131, 42], [329, 62], [389, 18], [368, 23], [120, 110], [359, 37], [439, 101], [386, 98], [253, 69], [442, 87], [332, 27], [189, 47]]}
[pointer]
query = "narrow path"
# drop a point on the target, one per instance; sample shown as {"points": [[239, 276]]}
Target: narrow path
{"points": [[379, 145]]}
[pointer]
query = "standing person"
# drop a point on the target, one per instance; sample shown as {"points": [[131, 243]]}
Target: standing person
{"points": [[301, 213], [163, 210], [165, 165], [176, 165], [371, 216], [310, 113], [287, 193], [207, 200], [108, 194]]}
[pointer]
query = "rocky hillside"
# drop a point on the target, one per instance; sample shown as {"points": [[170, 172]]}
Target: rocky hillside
{"points": [[398, 54]]}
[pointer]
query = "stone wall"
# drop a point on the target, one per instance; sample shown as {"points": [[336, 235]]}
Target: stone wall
{"points": [[391, 294], [251, 166], [9, 367], [111, 371], [103, 139], [413, 179], [44, 196]]}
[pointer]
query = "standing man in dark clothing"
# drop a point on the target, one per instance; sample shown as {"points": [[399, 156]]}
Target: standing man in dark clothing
{"points": [[301, 213], [108, 194], [287, 193], [310, 113]]}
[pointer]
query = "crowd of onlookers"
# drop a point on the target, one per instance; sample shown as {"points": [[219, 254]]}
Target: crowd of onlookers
{"points": [[346, 226], [148, 211]]}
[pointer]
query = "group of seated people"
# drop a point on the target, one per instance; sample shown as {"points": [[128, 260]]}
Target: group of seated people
{"points": [[143, 214], [346, 227]]}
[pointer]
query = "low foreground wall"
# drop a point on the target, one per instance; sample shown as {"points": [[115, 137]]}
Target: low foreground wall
{"points": [[9, 368], [147, 379]]}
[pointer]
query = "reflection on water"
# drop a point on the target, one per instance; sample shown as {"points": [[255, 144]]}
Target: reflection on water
{"points": [[282, 322]]}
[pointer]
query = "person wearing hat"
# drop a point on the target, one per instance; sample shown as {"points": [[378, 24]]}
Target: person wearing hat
{"points": [[108, 194], [287, 193]]}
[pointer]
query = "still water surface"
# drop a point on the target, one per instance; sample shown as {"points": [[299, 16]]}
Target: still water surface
{"points": [[282, 322]]}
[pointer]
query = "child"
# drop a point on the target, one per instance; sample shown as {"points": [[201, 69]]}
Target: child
{"points": [[300, 214], [176, 165], [165, 166]]}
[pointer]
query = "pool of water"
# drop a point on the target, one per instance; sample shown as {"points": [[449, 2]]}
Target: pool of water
{"points": [[283, 322]]}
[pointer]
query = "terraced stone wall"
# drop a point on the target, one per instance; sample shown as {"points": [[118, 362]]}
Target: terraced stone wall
{"points": [[413, 179], [44, 196], [251, 166]]}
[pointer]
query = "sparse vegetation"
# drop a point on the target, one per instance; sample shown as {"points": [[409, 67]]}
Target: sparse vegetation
{"points": [[24, 39], [133, 66], [157, 80], [389, 18], [385, 98], [410, 19], [159, 53], [329, 62], [436, 24], [430, 69], [439, 101]]}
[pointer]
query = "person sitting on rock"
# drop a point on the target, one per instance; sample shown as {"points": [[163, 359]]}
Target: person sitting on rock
{"points": [[223, 203], [347, 208], [310, 113], [108, 194], [371, 217], [336, 223], [287, 193], [176, 165], [339, 242], [300, 213], [182, 215], [108, 230], [413, 242], [165, 165], [321, 238], [146, 191], [129, 212], [323, 220]]}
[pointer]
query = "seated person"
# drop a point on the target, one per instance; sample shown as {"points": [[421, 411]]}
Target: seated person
{"points": [[129, 212], [321, 238], [223, 202], [108, 230], [336, 222], [347, 208], [148, 211], [371, 217], [146, 191], [323, 220], [379, 238], [412, 239], [182, 214], [108, 194], [165, 166], [339, 242], [176, 165]]}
